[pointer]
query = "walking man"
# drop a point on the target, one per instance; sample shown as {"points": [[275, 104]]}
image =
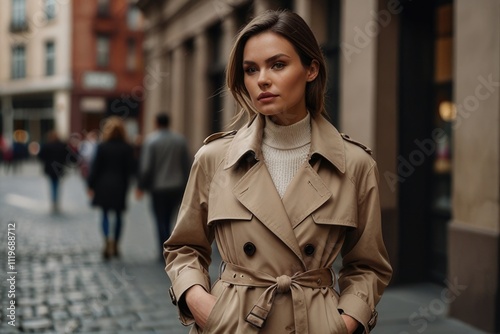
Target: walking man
{"points": [[54, 154], [163, 171]]}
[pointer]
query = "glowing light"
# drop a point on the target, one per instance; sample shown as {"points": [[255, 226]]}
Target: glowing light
{"points": [[447, 111]]}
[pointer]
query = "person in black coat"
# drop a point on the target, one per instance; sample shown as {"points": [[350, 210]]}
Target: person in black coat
{"points": [[109, 178], [53, 155]]}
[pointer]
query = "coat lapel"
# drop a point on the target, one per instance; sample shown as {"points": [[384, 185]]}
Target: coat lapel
{"points": [[306, 193], [257, 193]]}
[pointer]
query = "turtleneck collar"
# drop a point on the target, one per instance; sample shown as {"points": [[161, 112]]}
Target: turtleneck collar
{"points": [[287, 136]]}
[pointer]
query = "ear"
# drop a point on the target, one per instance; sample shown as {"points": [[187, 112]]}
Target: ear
{"points": [[312, 70]]}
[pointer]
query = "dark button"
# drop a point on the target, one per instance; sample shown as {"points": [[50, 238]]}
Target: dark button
{"points": [[249, 248], [309, 249]]}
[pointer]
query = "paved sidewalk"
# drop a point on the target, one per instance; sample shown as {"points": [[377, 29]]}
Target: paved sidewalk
{"points": [[62, 285]]}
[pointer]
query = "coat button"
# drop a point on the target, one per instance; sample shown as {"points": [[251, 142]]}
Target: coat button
{"points": [[249, 248], [309, 249]]}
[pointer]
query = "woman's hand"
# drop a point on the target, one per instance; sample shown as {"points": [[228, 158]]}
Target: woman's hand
{"points": [[200, 304], [350, 323]]}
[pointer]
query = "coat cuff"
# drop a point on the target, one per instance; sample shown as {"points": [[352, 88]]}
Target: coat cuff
{"points": [[182, 283], [357, 308]]}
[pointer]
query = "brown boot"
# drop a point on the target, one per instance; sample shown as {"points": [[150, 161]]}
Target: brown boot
{"points": [[108, 249], [114, 248]]}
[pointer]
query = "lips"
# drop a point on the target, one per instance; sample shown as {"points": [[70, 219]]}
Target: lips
{"points": [[265, 96]]}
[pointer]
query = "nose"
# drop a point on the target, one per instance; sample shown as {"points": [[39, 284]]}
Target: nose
{"points": [[263, 80]]}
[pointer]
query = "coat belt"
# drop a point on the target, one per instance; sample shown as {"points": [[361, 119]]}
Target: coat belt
{"points": [[316, 278]]}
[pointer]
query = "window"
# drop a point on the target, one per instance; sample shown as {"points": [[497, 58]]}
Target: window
{"points": [[103, 7], [18, 62], [50, 58], [50, 9], [18, 14], [131, 55], [133, 17], [102, 51]]}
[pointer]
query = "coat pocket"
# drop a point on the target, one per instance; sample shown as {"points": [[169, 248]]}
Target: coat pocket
{"points": [[337, 324], [213, 320]]}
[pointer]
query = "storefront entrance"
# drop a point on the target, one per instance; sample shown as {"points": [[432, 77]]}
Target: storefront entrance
{"points": [[424, 160]]}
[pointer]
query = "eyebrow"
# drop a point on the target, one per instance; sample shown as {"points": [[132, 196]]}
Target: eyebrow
{"points": [[268, 60]]}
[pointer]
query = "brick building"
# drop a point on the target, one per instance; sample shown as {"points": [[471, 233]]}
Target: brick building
{"points": [[107, 63]]}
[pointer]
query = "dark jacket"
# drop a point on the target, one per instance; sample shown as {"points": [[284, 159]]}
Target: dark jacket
{"points": [[110, 174], [53, 156], [164, 162]]}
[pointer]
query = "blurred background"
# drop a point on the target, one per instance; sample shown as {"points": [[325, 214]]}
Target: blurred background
{"points": [[416, 81]]}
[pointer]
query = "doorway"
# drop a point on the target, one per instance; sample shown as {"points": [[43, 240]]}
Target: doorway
{"points": [[424, 160]]}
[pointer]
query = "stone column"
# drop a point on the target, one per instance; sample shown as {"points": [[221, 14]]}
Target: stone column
{"points": [[261, 6], [62, 107], [386, 126], [229, 28], [178, 84], [201, 123], [358, 70], [303, 8], [156, 80], [474, 247]]}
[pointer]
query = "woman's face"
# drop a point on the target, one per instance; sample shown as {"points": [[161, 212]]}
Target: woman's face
{"points": [[275, 77]]}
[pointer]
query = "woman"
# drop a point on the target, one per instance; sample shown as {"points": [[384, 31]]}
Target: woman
{"points": [[108, 181], [282, 197]]}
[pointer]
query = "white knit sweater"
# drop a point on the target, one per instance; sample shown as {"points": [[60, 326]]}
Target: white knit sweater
{"points": [[285, 149]]}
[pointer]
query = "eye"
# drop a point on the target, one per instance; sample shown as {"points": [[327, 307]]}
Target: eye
{"points": [[278, 66], [250, 69]]}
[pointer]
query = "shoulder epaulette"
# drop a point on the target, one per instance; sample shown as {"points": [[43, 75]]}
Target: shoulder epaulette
{"points": [[349, 139], [218, 135]]}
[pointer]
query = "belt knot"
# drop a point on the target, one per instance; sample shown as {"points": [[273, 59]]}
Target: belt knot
{"points": [[284, 283]]}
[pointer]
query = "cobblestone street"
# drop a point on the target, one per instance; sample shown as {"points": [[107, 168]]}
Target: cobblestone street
{"points": [[62, 285]]}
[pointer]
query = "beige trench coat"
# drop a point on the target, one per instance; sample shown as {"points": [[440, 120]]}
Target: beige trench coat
{"points": [[273, 245]]}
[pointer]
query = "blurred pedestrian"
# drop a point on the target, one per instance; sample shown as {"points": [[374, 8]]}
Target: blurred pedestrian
{"points": [[19, 149], [53, 154], [163, 171], [108, 181], [87, 150], [283, 197], [5, 152], [73, 144]]}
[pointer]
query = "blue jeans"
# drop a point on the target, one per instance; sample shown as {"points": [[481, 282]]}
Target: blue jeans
{"points": [[54, 189], [106, 223], [165, 203]]}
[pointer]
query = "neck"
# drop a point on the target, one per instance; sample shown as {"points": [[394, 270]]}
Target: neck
{"points": [[288, 119]]}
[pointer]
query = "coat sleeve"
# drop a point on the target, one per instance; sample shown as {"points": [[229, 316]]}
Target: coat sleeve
{"points": [[188, 251], [366, 269]]}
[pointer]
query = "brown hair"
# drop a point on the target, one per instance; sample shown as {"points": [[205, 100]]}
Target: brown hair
{"points": [[292, 27], [113, 129]]}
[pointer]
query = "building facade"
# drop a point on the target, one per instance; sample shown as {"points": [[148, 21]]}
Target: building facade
{"points": [[66, 65], [417, 81], [107, 64], [35, 73]]}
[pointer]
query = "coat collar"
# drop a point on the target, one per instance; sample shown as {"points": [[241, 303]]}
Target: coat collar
{"points": [[325, 141]]}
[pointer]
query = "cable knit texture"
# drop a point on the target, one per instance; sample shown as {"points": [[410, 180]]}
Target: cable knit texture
{"points": [[285, 149]]}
